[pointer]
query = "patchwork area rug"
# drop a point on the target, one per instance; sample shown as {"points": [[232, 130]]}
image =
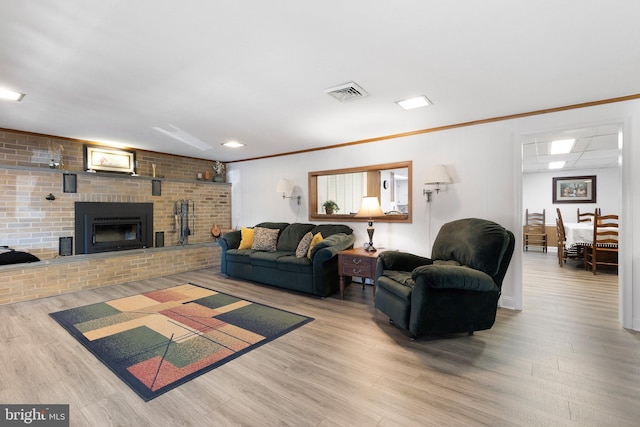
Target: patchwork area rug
{"points": [[158, 340]]}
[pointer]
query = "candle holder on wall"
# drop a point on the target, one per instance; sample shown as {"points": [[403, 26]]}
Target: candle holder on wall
{"points": [[156, 187], [69, 182]]}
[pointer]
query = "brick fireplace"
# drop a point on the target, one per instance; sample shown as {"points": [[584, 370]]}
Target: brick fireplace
{"points": [[106, 226], [34, 222]]}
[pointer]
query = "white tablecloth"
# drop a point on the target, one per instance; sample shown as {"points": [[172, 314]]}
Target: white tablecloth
{"points": [[580, 232]]}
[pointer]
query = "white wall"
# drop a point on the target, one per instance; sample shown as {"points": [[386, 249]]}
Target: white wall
{"points": [[537, 194], [485, 164]]}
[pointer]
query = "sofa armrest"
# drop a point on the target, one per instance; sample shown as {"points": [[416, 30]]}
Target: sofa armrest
{"points": [[400, 261], [454, 277], [230, 240], [330, 247], [325, 263]]}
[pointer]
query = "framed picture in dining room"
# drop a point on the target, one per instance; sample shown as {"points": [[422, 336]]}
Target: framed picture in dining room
{"points": [[574, 189]]}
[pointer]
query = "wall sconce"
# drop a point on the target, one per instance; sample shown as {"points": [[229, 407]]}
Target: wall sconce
{"points": [[437, 176], [369, 209], [285, 187]]}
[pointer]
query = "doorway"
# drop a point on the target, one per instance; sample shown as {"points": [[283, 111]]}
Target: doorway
{"points": [[595, 150]]}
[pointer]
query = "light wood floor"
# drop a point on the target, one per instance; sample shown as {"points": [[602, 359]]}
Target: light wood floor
{"points": [[563, 360]]}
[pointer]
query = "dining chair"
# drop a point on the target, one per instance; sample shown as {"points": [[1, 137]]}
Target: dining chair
{"points": [[561, 242], [586, 216], [535, 233], [604, 247], [564, 252]]}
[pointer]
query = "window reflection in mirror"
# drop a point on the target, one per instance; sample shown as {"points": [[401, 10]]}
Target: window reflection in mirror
{"points": [[390, 182]]}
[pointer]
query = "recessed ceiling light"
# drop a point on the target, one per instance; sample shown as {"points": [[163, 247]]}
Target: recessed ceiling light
{"points": [[10, 95], [556, 165], [561, 146], [233, 144], [411, 103]]}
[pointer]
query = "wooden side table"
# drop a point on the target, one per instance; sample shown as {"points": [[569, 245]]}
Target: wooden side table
{"points": [[357, 262]]}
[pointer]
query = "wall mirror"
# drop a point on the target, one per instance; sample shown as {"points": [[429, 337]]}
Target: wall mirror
{"points": [[390, 182]]}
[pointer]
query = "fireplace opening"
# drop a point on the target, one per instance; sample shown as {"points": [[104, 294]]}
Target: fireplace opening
{"points": [[104, 227]]}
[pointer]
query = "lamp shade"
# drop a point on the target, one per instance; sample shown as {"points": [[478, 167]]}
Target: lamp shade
{"points": [[285, 186], [438, 175], [369, 208]]}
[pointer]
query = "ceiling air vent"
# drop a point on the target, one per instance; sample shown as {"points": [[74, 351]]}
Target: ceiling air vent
{"points": [[347, 92]]}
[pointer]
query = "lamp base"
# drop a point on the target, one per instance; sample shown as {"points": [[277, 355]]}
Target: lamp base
{"points": [[370, 231]]}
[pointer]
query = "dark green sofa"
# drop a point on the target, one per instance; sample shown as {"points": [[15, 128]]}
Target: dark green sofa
{"points": [[457, 290], [317, 275]]}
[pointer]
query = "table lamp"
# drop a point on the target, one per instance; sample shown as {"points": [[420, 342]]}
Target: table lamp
{"points": [[369, 209]]}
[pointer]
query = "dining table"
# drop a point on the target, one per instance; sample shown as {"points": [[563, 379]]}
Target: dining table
{"points": [[581, 233], [578, 233]]}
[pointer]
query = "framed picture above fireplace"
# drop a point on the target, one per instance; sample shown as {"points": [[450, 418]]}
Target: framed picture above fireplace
{"points": [[107, 159]]}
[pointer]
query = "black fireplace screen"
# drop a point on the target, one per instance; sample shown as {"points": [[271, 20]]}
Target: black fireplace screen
{"points": [[104, 227], [117, 232]]}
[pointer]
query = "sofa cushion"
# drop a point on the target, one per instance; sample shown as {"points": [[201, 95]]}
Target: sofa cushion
{"points": [[239, 255], [267, 259], [247, 238], [294, 264], [291, 236], [330, 229], [303, 247], [317, 238], [265, 239]]}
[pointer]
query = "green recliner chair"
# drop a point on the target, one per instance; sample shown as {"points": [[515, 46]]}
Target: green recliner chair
{"points": [[457, 290]]}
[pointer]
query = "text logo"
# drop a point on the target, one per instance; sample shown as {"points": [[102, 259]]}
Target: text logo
{"points": [[34, 415]]}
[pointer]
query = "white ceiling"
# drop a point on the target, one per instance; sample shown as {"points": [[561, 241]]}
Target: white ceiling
{"points": [[255, 71], [594, 147]]}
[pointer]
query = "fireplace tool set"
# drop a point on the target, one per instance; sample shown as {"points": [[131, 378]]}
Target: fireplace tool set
{"points": [[184, 214]]}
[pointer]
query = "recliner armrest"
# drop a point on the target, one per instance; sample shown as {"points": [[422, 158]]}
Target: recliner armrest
{"points": [[454, 277], [401, 261]]}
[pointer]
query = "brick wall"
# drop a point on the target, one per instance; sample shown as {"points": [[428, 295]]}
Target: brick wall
{"points": [[22, 282], [31, 223], [26, 150]]}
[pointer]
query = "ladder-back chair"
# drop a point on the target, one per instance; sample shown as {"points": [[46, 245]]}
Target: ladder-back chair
{"points": [[564, 252], [535, 233], [586, 216], [604, 247]]}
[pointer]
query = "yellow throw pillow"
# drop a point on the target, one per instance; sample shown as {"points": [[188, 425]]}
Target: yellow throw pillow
{"points": [[247, 238], [316, 239]]}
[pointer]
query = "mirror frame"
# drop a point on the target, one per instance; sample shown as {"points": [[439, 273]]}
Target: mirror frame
{"points": [[313, 193]]}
